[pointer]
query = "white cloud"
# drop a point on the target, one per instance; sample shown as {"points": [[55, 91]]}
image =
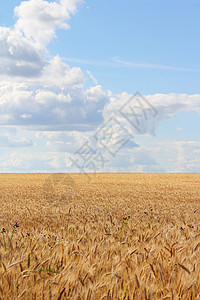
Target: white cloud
{"points": [[19, 57], [63, 141], [45, 18], [57, 98], [9, 139], [33, 162], [166, 105], [58, 74], [52, 95], [187, 158], [22, 47], [173, 156]]}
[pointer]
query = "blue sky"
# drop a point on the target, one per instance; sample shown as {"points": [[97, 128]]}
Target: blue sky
{"points": [[67, 66]]}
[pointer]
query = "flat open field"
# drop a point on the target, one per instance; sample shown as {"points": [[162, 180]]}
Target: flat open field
{"points": [[119, 236]]}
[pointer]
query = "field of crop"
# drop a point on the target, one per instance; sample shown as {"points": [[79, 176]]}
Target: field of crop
{"points": [[119, 236]]}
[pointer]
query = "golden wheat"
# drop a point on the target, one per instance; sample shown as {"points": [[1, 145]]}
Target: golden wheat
{"points": [[119, 236]]}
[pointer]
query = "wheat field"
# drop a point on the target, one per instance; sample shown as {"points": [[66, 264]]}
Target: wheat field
{"points": [[117, 236]]}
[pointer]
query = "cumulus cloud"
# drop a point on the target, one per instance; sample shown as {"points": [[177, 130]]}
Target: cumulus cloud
{"points": [[45, 18], [19, 57], [38, 92], [143, 114], [23, 46], [62, 109]]}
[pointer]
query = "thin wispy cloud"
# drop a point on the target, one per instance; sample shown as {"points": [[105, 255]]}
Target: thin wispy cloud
{"points": [[150, 66], [92, 77], [117, 62], [90, 62]]}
